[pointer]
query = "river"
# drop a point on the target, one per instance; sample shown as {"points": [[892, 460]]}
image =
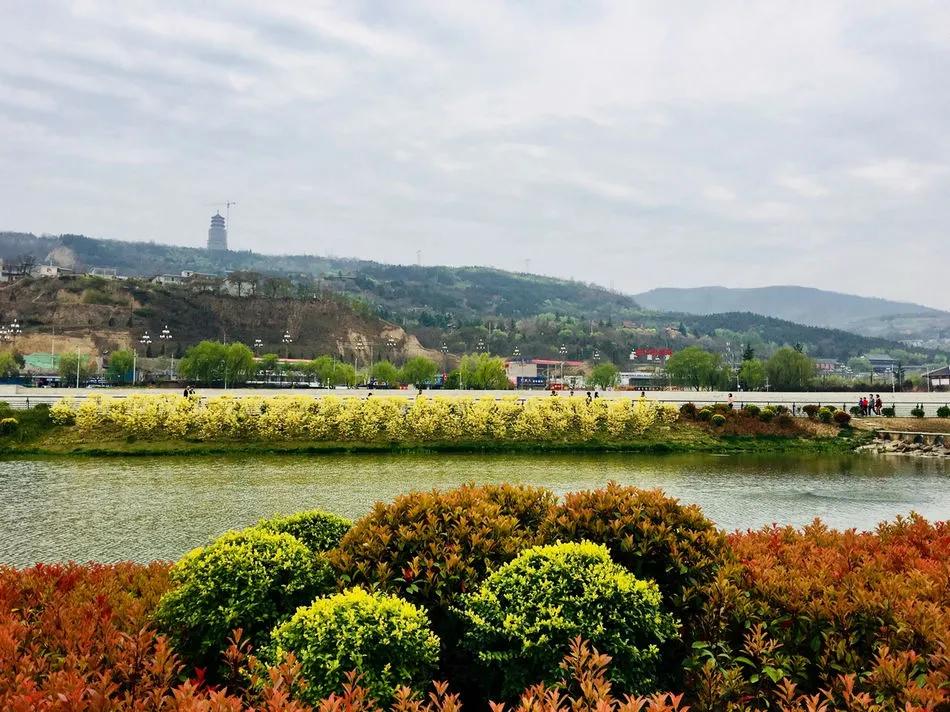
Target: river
{"points": [[157, 508]]}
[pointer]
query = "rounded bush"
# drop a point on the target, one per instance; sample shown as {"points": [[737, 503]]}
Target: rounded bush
{"points": [[520, 621], [249, 580], [8, 426], [718, 420], [841, 418], [855, 411], [825, 415], [318, 531], [382, 637], [768, 412], [917, 412], [430, 547], [943, 411], [888, 412], [811, 410], [705, 414], [783, 420], [688, 410], [751, 409]]}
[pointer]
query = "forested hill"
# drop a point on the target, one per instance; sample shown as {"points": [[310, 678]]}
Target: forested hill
{"points": [[443, 294], [804, 305]]}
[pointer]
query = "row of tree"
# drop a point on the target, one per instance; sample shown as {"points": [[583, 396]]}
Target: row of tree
{"points": [[788, 369]]}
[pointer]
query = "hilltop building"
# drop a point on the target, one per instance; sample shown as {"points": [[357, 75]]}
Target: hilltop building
{"points": [[217, 234]]}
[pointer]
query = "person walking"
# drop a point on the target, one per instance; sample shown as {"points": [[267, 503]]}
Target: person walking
{"points": [[730, 402], [878, 404], [870, 404]]}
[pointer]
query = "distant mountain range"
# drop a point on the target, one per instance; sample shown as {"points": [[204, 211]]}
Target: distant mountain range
{"points": [[869, 316]]}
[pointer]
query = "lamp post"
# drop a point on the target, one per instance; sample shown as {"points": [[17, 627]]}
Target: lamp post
{"points": [[563, 353], [358, 354], [258, 345], [445, 351], [15, 329], [166, 338], [287, 341], [596, 356], [391, 345], [145, 340]]}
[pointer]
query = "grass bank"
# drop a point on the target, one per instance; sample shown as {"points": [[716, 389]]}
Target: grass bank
{"points": [[47, 439]]}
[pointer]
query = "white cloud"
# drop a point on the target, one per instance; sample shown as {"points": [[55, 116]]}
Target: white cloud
{"points": [[731, 142]]}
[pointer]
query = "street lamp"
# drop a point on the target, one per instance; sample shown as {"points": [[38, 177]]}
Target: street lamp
{"points": [[258, 344], [145, 340], [15, 329], [445, 351], [166, 338], [287, 341], [391, 344], [563, 352], [358, 354], [596, 355]]}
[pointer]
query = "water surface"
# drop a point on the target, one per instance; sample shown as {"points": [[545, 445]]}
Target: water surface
{"points": [[157, 508]]}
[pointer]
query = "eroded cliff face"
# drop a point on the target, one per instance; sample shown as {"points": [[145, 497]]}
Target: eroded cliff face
{"points": [[103, 315]]}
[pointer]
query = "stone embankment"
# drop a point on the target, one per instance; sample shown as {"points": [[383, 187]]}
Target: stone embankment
{"points": [[931, 445]]}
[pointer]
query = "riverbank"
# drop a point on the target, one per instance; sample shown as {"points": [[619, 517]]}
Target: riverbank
{"points": [[683, 437]]}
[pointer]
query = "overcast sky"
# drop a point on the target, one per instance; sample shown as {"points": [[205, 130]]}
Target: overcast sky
{"points": [[634, 144]]}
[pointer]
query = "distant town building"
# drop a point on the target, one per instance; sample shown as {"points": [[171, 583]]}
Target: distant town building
{"points": [[882, 363], [104, 272], [939, 378], [49, 271], [827, 365], [651, 354], [217, 234]]}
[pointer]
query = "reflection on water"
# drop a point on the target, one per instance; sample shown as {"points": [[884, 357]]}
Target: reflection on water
{"points": [[158, 508]]}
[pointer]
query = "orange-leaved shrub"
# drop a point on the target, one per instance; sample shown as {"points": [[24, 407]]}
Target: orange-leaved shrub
{"points": [[429, 547], [857, 615]]}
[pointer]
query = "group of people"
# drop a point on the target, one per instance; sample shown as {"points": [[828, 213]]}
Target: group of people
{"points": [[189, 391], [871, 405]]}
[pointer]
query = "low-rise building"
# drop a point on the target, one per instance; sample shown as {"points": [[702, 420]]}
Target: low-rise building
{"points": [[882, 363], [939, 377], [49, 271]]}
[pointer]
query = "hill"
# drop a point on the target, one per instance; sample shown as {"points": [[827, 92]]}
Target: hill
{"points": [[460, 309], [805, 305]]}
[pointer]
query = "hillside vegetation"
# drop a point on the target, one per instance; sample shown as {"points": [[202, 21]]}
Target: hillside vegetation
{"points": [[462, 309]]}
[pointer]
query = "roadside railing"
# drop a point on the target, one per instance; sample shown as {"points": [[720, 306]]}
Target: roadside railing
{"points": [[902, 409]]}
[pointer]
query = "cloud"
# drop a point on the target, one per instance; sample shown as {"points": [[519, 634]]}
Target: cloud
{"points": [[643, 144]]}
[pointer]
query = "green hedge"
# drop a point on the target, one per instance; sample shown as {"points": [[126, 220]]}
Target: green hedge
{"points": [[318, 531]]}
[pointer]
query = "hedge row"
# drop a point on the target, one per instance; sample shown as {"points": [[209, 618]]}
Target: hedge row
{"points": [[378, 418]]}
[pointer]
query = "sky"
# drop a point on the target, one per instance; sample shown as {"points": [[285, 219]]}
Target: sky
{"points": [[633, 144]]}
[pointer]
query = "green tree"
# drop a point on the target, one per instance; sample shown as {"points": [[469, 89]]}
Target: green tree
{"points": [[603, 375], [752, 374], [10, 364], [213, 362], [694, 367], [121, 364], [385, 372], [748, 353], [418, 370], [269, 364], [790, 369], [859, 364], [70, 362], [483, 372]]}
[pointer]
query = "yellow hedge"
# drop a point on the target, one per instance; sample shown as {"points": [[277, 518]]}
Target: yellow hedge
{"points": [[376, 419]]}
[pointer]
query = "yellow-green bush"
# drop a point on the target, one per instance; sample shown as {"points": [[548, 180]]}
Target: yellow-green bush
{"points": [[376, 419], [383, 638]]}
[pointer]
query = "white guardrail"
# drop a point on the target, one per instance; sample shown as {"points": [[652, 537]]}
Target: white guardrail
{"points": [[19, 397]]}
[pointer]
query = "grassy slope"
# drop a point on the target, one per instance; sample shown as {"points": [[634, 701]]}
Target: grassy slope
{"points": [[683, 437]]}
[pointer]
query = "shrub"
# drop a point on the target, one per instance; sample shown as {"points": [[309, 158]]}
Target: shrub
{"points": [[814, 604], [888, 411], [520, 621], [318, 531], [688, 410], [842, 418], [723, 408], [825, 415], [943, 411], [780, 409], [705, 414], [431, 546], [811, 410], [383, 638], [718, 420], [917, 412], [784, 420], [751, 409], [654, 537], [855, 410], [249, 580], [8, 426], [768, 412]]}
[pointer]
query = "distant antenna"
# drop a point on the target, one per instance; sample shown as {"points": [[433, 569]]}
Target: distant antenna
{"points": [[227, 211], [419, 257]]}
